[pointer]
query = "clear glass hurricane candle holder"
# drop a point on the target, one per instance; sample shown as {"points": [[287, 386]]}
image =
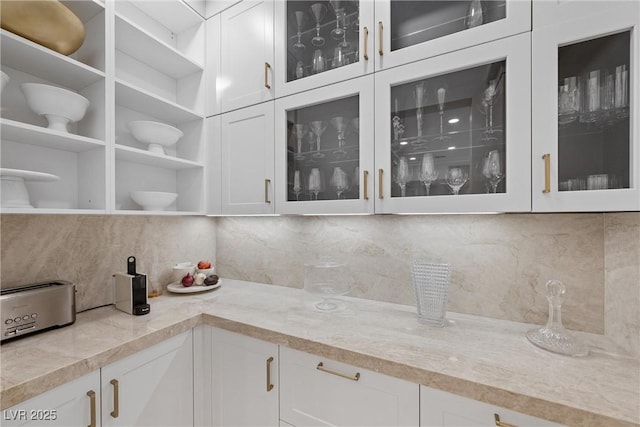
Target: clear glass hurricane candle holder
{"points": [[431, 283]]}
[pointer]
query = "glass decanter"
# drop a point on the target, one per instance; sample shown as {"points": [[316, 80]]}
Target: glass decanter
{"points": [[554, 337]]}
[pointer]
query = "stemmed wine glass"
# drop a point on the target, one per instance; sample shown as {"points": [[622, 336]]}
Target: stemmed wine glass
{"points": [[419, 95], [301, 19], [299, 130], [316, 183], [339, 181], [397, 123], [319, 62], [492, 170], [318, 10], [318, 127], [428, 172], [441, 96], [297, 185], [456, 179], [338, 32], [487, 102], [340, 123], [403, 175]]}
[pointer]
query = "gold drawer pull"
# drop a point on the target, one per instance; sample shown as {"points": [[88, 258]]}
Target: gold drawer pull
{"points": [[365, 178], [500, 423], [380, 192], [380, 38], [267, 182], [266, 75], [269, 385], [321, 367], [547, 172], [365, 32], [92, 399], [116, 405]]}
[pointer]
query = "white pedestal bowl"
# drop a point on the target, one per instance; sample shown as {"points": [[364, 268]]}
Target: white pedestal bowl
{"points": [[157, 135], [153, 200], [59, 106]]}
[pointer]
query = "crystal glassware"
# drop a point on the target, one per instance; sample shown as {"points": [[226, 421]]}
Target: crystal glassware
{"points": [[428, 172], [442, 91], [591, 97], [319, 61], [318, 127], [431, 284], [487, 102], [329, 279], [339, 57], [554, 337], [403, 175], [339, 181], [568, 101], [299, 70], [318, 10], [338, 32], [299, 130], [297, 184], [419, 97], [316, 182], [397, 122], [340, 123], [456, 179], [621, 97], [301, 19], [492, 170], [475, 14]]}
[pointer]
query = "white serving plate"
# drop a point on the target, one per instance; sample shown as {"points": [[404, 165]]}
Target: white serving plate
{"points": [[28, 175], [14, 192], [177, 288]]}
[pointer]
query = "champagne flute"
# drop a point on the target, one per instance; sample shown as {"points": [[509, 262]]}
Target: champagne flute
{"points": [[340, 123], [419, 95], [428, 172], [403, 175], [318, 10], [301, 19], [318, 127], [297, 185], [441, 97], [492, 170], [337, 32], [487, 102], [299, 130], [456, 179]]}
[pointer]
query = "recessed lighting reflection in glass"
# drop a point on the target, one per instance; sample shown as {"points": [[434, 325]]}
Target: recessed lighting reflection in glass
{"points": [[403, 142], [453, 121], [412, 158], [451, 148]]}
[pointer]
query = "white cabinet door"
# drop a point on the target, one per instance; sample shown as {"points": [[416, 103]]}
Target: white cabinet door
{"points": [[453, 132], [337, 47], [324, 149], [152, 387], [318, 391], [245, 380], [246, 75], [411, 30], [214, 165], [75, 404], [551, 13], [585, 104], [213, 62], [442, 409], [247, 160]]}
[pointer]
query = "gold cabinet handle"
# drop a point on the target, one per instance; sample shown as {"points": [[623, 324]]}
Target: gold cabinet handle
{"points": [[499, 423], [365, 179], [365, 34], [92, 400], [267, 182], [380, 192], [269, 385], [116, 404], [547, 172], [266, 75], [321, 367], [380, 38]]}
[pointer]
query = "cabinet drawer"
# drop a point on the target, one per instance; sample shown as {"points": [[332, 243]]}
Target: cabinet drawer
{"points": [[318, 391]]}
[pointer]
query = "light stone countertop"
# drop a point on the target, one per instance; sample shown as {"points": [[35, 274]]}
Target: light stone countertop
{"points": [[480, 358]]}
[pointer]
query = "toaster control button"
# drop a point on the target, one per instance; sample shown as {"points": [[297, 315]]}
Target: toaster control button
{"points": [[25, 317], [17, 319], [25, 327], [9, 333], [34, 315], [8, 321]]}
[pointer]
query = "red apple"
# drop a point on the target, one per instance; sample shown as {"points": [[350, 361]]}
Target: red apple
{"points": [[187, 280], [203, 265]]}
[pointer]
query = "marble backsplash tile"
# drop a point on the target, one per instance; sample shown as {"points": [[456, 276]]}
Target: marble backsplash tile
{"points": [[89, 249], [500, 262]]}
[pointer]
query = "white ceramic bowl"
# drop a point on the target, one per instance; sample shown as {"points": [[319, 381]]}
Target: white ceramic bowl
{"points": [[157, 135], [5, 80], [206, 271], [153, 200], [59, 106], [182, 269]]}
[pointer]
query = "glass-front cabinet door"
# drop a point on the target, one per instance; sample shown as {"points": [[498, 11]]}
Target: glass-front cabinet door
{"points": [[324, 150], [410, 30], [453, 132], [319, 42], [585, 113]]}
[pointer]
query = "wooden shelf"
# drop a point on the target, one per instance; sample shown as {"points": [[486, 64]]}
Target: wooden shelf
{"points": [[136, 155], [36, 135]]}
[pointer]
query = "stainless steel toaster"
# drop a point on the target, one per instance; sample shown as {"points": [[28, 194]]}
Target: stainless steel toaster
{"points": [[33, 308]]}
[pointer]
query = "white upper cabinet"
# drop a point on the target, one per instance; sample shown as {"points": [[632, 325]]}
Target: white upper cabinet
{"points": [[324, 149], [247, 160], [453, 133], [585, 111], [319, 43], [411, 30], [246, 70], [212, 64]]}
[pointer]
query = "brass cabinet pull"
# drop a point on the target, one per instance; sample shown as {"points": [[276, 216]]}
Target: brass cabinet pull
{"points": [[269, 385], [321, 367], [365, 178], [116, 404], [266, 75], [380, 38], [267, 182], [547, 172], [92, 399], [365, 34], [380, 192], [500, 423]]}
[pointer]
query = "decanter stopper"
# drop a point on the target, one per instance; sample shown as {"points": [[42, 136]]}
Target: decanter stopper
{"points": [[554, 337]]}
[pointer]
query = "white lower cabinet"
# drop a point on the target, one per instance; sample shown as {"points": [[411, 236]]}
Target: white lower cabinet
{"points": [[318, 391], [153, 387], [245, 380], [442, 409], [76, 403]]}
